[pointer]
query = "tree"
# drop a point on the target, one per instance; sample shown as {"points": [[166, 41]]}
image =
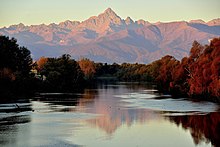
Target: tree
{"points": [[162, 70], [204, 67], [15, 66], [180, 76], [88, 68], [168, 64], [41, 62], [196, 51], [62, 74], [15, 58]]}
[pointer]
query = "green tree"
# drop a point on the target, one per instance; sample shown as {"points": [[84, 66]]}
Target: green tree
{"points": [[15, 66], [62, 74], [15, 58]]}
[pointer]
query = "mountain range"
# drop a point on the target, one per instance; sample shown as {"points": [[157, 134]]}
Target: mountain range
{"points": [[109, 38]]}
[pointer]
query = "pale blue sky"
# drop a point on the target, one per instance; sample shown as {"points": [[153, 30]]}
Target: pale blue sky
{"points": [[48, 11]]}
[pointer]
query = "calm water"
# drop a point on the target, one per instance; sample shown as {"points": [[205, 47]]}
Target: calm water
{"points": [[122, 114]]}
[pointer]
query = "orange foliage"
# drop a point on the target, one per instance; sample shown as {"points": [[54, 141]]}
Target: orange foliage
{"points": [[204, 70], [41, 62], [197, 75], [168, 64], [88, 67]]}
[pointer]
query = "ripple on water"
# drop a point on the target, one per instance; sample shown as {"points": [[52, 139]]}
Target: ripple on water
{"points": [[167, 104]]}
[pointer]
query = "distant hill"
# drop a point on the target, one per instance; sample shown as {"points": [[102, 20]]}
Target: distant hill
{"points": [[109, 38]]}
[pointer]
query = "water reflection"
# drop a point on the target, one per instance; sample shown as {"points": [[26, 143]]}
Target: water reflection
{"points": [[11, 116], [114, 119], [121, 114], [203, 128], [123, 105], [112, 110]]}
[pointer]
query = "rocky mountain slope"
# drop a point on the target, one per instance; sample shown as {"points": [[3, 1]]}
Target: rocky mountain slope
{"points": [[109, 38]]}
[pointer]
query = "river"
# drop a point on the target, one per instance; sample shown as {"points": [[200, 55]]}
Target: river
{"points": [[110, 115]]}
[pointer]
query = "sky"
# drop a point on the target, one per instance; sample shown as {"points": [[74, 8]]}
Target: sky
{"points": [[32, 12]]}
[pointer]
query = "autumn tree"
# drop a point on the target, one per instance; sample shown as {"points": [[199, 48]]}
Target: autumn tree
{"points": [[214, 86], [153, 69], [41, 62], [180, 75], [195, 52], [204, 70], [88, 68], [162, 70], [168, 64]]}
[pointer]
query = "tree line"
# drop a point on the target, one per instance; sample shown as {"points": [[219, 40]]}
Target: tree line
{"points": [[15, 66], [196, 76]]}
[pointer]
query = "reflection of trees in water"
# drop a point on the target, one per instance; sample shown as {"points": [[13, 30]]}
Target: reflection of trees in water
{"points": [[140, 86], [89, 94], [202, 127], [13, 120], [64, 102], [9, 127], [56, 101], [87, 98], [128, 85]]}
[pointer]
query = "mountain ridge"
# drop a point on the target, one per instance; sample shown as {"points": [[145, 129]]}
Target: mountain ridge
{"points": [[109, 38]]}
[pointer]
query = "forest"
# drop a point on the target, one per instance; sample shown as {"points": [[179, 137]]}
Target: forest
{"points": [[196, 76]]}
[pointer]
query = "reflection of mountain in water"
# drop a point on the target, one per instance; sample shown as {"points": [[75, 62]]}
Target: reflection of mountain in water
{"points": [[112, 110], [113, 118], [115, 113], [202, 127], [126, 108]]}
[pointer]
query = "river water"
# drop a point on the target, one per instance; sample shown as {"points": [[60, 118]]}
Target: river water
{"points": [[110, 115]]}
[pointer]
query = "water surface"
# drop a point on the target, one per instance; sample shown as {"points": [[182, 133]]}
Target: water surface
{"points": [[119, 114]]}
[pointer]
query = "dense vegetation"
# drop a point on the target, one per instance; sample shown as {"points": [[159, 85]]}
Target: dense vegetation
{"points": [[62, 74], [20, 77], [15, 66], [197, 75]]}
